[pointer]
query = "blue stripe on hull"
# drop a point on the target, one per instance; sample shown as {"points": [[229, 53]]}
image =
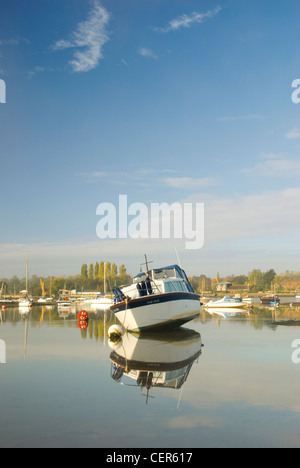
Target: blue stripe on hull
{"points": [[155, 299]]}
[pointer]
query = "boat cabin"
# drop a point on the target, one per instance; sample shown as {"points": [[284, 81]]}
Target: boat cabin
{"points": [[159, 281]]}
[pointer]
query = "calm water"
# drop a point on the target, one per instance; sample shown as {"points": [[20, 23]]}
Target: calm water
{"points": [[63, 387]]}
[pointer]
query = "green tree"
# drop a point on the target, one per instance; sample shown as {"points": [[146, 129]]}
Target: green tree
{"points": [[57, 284], [101, 271], [84, 271], [96, 270], [91, 272], [268, 278]]}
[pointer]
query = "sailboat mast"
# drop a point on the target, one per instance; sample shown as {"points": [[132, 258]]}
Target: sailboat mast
{"points": [[27, 273]]}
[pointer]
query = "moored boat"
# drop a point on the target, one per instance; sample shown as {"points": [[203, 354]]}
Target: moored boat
{"points": [[158, 299], [102, 302], [272, 299], [26, 302], [226, 302]]}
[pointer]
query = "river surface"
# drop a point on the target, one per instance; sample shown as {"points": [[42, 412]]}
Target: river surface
{"points": [[219, 382]]}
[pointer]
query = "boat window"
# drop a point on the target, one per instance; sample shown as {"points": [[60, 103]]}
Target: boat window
{"points": [[181, 286], [175, 286], [169, 287], [164, 273]]}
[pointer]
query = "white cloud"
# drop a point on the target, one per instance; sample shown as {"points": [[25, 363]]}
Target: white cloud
{"points": [[275, 166], [186, 21], [144, 52], [271, 214], [260, 229], [294, 133], [187, 182], [88, 40]]}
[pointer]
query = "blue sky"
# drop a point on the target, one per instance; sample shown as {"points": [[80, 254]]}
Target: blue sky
{"points": [[161, 100]]}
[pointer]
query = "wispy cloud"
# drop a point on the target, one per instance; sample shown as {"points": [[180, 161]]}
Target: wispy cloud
{"points": [[186, 21], [188, 182], [144, 177], [293, 134], [148, 177], [35, 70], [14, 41], [240, 117], [88, 40], [144, 52], [275, 165]]}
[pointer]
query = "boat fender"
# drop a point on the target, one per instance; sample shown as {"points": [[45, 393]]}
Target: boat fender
{"points": [[115, 333]]}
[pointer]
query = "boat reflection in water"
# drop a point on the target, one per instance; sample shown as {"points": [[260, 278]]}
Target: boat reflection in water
{"points": [[155, 359], [227, 312]]}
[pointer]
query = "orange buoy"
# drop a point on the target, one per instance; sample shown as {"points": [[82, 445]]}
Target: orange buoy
{"points": [[83, 315]]}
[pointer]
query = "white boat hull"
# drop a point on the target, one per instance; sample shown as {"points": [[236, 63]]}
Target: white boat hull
{"points": [[25, 304], [102, 303], [163, 311]]}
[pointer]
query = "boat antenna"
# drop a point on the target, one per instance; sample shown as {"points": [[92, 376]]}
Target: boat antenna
{"points": [[178, 259]]}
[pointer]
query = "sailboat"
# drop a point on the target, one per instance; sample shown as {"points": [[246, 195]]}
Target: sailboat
{"points": [[102, 302], [25, 302]]}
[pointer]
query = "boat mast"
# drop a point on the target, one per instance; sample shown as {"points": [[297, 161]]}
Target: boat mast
{"points": [[27, 274]]}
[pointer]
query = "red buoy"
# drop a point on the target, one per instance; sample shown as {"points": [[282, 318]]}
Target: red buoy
{"points": [[83, 315]]}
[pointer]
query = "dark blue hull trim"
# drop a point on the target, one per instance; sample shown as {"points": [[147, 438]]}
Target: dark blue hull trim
{"points": [[156, 299]]}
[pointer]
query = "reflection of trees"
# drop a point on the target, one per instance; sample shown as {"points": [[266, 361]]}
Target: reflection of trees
{"points": [[98, 323]]}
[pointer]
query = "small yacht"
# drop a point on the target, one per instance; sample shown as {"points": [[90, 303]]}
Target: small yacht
{"points": [[64, 301], [158, 299], [25, 302], [226, 302], [272, 299], [102, 302]]}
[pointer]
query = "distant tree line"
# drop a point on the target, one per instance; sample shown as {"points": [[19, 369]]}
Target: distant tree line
{"points": [[91, 278], [254, 282]]}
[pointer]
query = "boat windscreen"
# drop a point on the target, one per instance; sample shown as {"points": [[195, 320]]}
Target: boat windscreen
{"points": [[165, 273]]}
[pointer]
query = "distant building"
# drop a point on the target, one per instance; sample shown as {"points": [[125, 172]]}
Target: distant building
{"points": [[223, 286]]}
